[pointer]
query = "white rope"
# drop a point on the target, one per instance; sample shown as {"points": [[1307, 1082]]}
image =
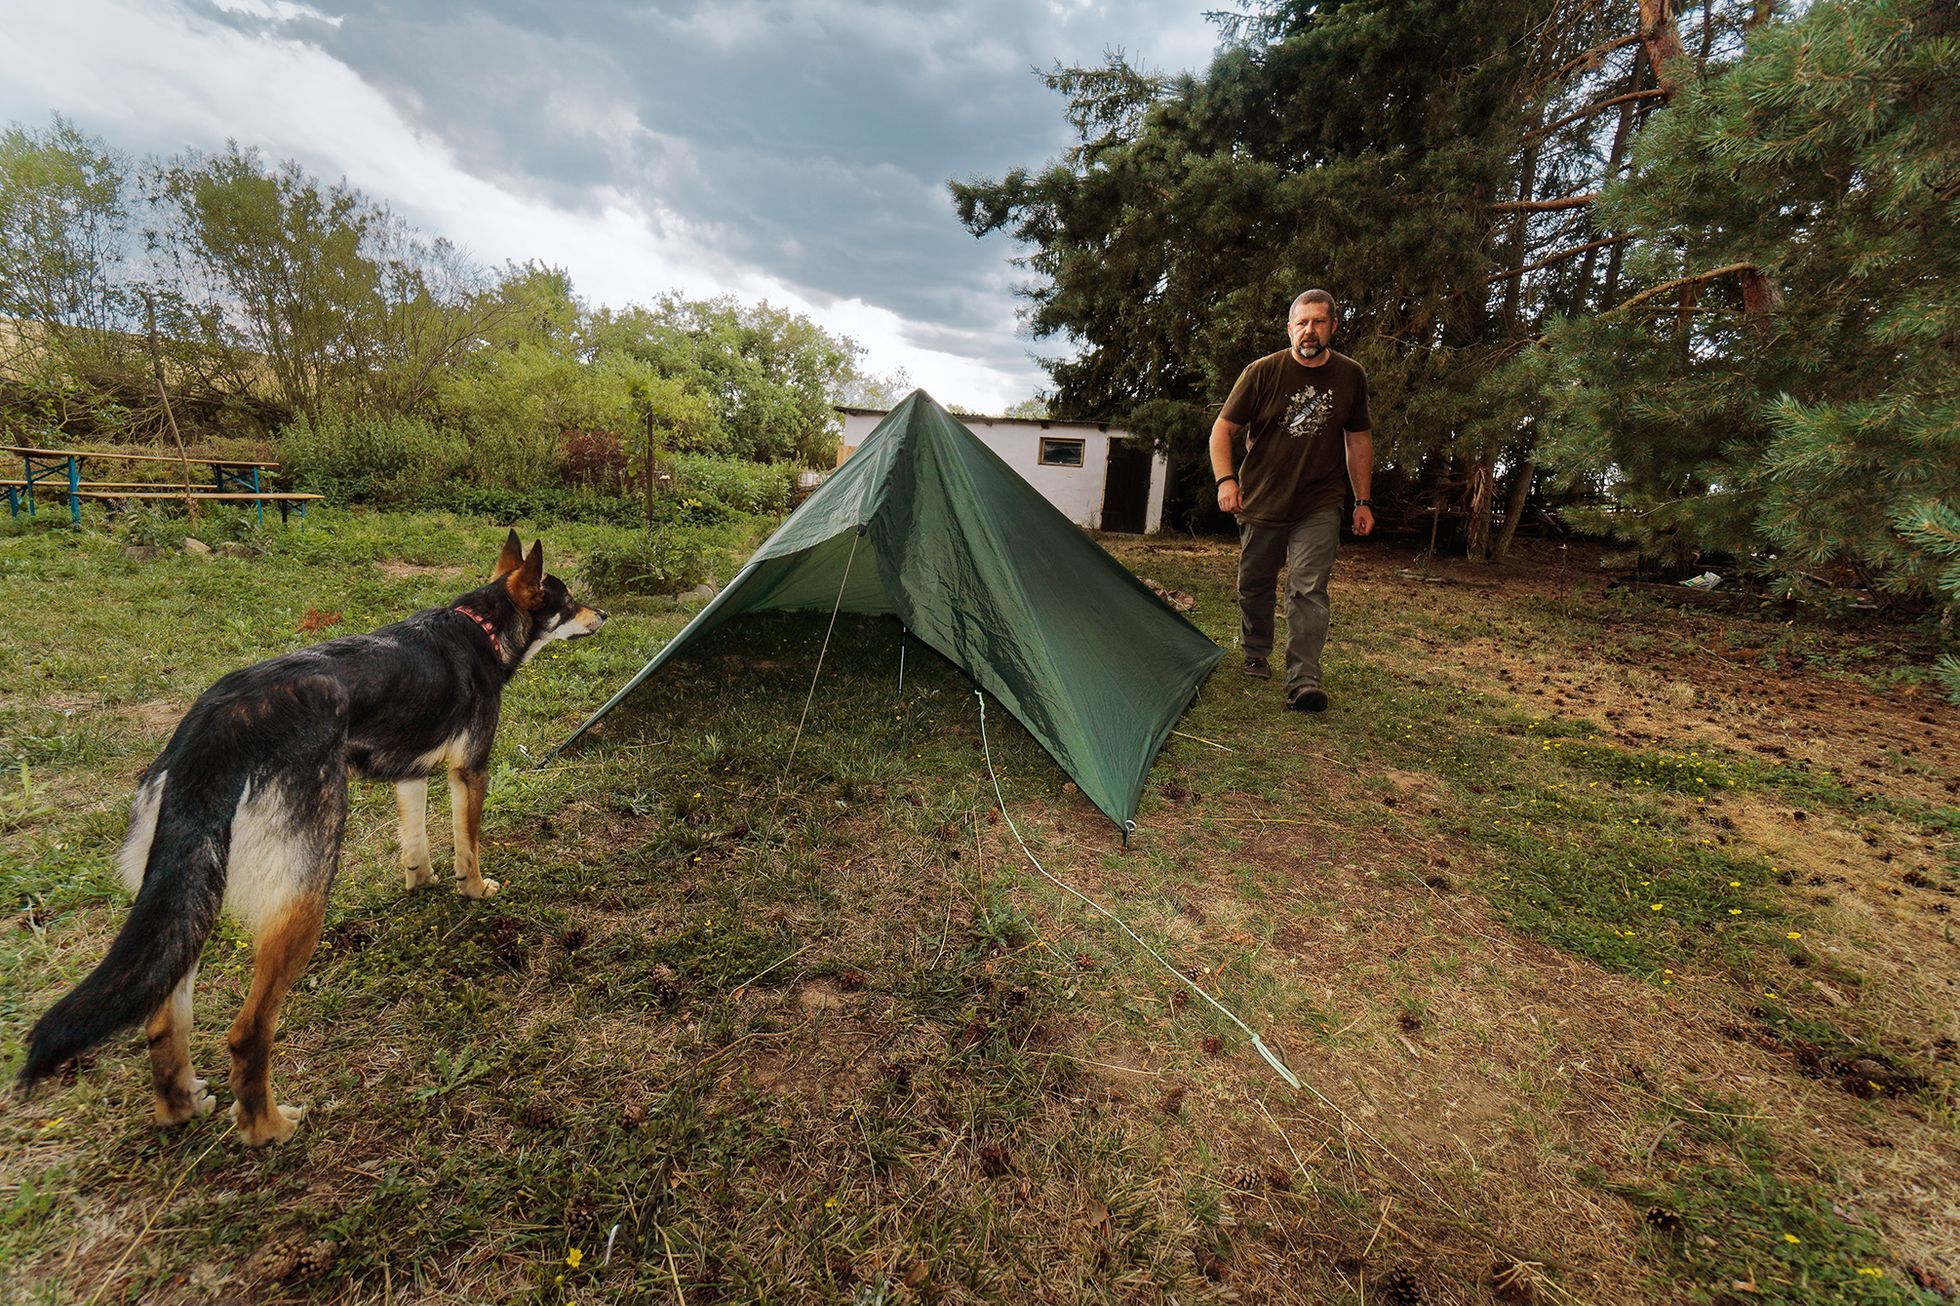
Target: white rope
{"points": [[815, 675], [1258, 1043]]}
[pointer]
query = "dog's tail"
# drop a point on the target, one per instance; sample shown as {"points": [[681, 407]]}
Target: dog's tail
{"points": [[178, 846]]}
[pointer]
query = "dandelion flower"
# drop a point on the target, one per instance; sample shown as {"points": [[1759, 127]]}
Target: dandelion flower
{"points": [[1791, 1238], [1794, 934], [573, 1257], [1656, 906]]}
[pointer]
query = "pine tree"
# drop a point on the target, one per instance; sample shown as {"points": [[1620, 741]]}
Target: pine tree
{"points": [[1433, 163], [1784, 386]]}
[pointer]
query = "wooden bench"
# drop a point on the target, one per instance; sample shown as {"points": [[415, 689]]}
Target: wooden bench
{"points": [[59, 472]]}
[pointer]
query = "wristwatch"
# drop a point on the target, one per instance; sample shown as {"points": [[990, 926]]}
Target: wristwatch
{"points": [[1364, 503]]}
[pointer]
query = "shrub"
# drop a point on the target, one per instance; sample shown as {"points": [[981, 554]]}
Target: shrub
{"points": [[161, 524], [546, 506], [594, 458], [655, 562], [734, 484], [351, 458]]}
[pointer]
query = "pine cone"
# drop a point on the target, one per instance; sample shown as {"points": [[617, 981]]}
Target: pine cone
{"points": [[317, 1256], [505, 937], [1661, 1220], [278, 1260], [1401, 1288], [538, 1114]]}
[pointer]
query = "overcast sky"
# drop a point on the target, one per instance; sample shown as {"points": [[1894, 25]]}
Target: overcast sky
{"points": [[789, 150]]}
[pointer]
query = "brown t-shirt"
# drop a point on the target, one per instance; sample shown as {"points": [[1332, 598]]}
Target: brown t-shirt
{"points": [[1294, 418]]}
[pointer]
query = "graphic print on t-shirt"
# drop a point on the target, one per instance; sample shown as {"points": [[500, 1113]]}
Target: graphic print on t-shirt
{"points": [[1307, 411]]}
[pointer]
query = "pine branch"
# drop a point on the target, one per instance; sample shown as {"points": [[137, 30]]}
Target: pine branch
{"points": [[1545, 206], [1559, 257], [1679, 282], [1582, 60], [1597, 106]]}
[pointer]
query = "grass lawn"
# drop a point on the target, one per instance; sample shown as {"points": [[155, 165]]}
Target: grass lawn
{"points": [[1613, 941]]}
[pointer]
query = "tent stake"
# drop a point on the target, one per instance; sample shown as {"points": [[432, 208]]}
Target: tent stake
{"points": [[901, 660]]}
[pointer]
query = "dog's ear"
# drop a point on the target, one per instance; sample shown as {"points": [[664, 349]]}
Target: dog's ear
{"points": [[510, 558], [526, 585]]}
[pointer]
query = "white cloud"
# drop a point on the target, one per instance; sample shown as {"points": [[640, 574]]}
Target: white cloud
{"points": [[276, 11], [155, 76]]}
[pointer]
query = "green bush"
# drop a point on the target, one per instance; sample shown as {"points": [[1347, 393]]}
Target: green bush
{"points": [[161, 524], [379, 460], [546, 507], [734, 484], [655, 562], [513, 454]]}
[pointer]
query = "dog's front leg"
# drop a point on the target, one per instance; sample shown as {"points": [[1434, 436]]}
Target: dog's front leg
{"points": [[466, 790], [412, 812]]}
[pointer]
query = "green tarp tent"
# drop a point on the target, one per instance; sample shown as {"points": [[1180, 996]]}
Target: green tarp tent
{"points": [[928, 524]]}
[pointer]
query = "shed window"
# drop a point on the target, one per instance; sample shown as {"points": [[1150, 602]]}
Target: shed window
{"points": [[1061, 453]]}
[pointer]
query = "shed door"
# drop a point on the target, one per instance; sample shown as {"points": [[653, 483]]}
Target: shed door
{"points": [[1126, 492]]}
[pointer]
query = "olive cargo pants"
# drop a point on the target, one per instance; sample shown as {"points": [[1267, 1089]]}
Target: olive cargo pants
{"points": [[1306, 548]]}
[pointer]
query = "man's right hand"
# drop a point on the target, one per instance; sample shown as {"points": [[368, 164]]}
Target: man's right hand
{"points": [[1229, 498]]}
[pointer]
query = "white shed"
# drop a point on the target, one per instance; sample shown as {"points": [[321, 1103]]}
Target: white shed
{"points": [[1102, 478]]}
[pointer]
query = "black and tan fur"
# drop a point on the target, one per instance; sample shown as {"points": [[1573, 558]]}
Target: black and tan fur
{"points": [[245, 808]]}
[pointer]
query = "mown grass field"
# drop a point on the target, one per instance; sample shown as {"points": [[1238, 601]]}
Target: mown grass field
{"points": [[1613, 941]]}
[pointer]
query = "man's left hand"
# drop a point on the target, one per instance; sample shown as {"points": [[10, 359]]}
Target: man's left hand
{"points": [[1364, 519]]}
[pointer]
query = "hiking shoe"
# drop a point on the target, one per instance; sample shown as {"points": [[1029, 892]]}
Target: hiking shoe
{"points": [[1257, 668], [1311, 700]]}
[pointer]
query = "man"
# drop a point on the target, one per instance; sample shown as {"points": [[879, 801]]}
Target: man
{"points": [[1305, 414]]}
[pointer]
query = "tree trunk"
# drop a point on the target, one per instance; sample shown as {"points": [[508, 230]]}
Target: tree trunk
{"points": [[1622, 132], [163, 396], [1478, 496], [1513, 510], [1662, 41]]}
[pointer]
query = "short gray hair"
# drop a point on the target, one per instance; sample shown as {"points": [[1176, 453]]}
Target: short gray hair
{"points": [[1315, 296]]}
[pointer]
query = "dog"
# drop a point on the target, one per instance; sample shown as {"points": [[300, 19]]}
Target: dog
{"points": [[245, 807]]}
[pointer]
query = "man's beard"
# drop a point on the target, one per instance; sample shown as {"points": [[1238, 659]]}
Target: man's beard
{"points": [[1309, 348]]}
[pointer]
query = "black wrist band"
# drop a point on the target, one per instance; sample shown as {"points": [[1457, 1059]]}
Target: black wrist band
{"points": [[1364, 503], [1221, 480]]}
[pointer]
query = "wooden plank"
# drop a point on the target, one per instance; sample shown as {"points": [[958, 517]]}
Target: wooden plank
{"points": [[61, 487], [266, 496], [27, 451]]}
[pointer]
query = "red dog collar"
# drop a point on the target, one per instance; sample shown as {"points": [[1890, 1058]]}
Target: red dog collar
{"points": [[484, 622]]}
